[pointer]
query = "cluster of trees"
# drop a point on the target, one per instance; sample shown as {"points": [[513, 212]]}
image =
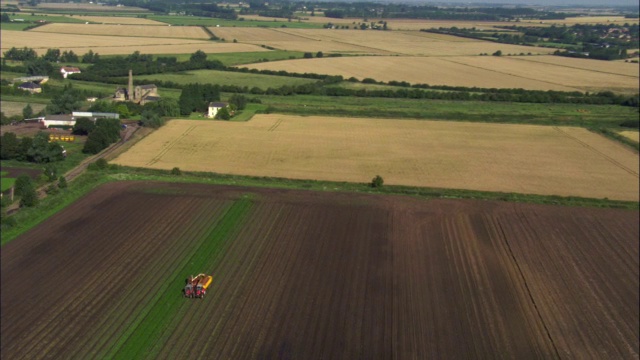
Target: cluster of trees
{"points": [[142, 64], [601, 41], [196, 97], [102, 134], [386, 11], [37, 149]]}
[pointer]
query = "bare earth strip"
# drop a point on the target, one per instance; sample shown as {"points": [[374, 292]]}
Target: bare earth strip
{"points": [[416, 70], [111, 45], [322, 275], [491, 157], [119, 31]]}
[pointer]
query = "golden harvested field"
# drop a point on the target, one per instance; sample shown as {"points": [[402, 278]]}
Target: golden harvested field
{"points": [[492, 157], [369, 42], [527, 72], [418, 24], [112, 45], [119, 20], [120, 31], [608, 67], [633, 135]]}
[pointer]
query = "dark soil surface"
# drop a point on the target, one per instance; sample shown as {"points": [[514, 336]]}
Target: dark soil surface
{"points": [[313, 275]]}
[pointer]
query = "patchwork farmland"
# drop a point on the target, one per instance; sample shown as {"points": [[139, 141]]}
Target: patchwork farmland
{"points": [[301, 274], [491, 157]]}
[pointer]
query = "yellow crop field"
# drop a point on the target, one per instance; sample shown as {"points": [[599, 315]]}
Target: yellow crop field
{"points": [[369, 42], [119, 20], [560, 73], [113, 45], [88, 7], [412, 69], [119, 31], [633, 135], [610, 67], [478, 156]]}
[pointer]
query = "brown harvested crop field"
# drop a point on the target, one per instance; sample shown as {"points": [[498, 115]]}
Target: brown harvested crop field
{"points": [[120, 31], [368, 42], [320, 275], [472, 71], [491, 157], [112, 45]]}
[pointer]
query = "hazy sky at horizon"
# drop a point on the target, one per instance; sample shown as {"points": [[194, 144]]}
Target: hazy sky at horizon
{"points": [[588, 3]]}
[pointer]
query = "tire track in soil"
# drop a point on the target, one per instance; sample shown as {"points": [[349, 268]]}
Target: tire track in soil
{"points": [[188, 235], [58, 316], [593, 149], [171, 144], [103, 288], [238, 269], [133, 329]]}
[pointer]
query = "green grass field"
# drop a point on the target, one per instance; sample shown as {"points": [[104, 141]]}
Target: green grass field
{"points": [[499, 112], [5, 182], [204, 21]]}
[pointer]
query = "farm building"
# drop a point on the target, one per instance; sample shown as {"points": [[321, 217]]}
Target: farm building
{"points": [[34, 79], [66, 120], [67, 70], [214, 107], [30, 87], [140, 94]]}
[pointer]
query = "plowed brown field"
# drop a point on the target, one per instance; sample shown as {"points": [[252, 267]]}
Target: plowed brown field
{"points": [[308, 275]]}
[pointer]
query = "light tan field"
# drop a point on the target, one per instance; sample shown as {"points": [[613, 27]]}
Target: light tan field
{"points": [[111, 45], [633, 135], [608, 67], [119, 20], [492, 157], [120, 31], [471, 71], [88, 7], [10, 108], [418, 24], [369, 42]]}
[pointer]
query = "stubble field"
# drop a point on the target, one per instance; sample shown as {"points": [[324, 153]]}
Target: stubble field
{"points": [[368, 42], [114, 45], [119, 31], [120, 20], [491, 157], [319, 275], [527, 72]]}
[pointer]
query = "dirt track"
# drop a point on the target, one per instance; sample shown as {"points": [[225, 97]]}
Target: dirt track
{"points": [[326, 275]]}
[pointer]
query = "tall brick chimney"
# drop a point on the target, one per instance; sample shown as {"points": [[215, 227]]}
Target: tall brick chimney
{"points": [[130, 89]]}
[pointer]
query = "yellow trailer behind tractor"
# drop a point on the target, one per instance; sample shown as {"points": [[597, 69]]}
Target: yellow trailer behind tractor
{"points": [[203, 283]]}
